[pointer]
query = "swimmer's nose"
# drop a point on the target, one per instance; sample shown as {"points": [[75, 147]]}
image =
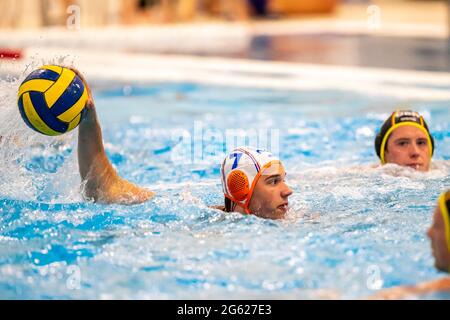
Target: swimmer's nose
{"points": [[286, 191], [414, 151], [429, 233]]}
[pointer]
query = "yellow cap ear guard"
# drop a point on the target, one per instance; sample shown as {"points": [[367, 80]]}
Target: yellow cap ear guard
{"points": [[444, 205]]}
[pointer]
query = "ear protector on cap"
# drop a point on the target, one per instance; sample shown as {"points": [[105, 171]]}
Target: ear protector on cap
{"points": [[238, 185]]}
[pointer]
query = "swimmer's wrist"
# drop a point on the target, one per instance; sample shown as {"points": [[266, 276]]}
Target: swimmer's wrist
{"points": [[90, 117]]}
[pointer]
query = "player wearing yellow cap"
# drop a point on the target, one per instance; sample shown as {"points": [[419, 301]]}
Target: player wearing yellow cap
{"points": [[439, 234], [404, 139]]}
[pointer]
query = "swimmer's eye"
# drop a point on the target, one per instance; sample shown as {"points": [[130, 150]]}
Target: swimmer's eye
{"points": [[422, 142], [274, 181], [402, 143]]}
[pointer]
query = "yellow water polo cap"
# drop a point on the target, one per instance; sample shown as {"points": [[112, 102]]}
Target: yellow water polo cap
{"points": [[398, 119]]}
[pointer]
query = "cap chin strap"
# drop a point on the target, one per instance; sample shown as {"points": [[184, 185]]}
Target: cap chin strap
{"points": [[246, 203], [242, 205], [398, 125]]}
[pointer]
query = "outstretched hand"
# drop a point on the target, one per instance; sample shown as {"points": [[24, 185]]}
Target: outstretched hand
{"points": [[90, 102], [90, 116]]}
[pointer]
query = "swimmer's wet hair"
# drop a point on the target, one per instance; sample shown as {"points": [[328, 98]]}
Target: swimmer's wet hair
{"points": [[228, 205], [397, 119]]}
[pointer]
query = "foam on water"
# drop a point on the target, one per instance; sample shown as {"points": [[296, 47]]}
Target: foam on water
{"points": [[31, 163]]}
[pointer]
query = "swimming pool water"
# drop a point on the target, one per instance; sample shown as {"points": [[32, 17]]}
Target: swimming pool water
{"points": [[352, 229]]}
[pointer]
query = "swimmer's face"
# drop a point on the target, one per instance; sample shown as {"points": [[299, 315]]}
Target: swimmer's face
{"points": [[408, 146], [270, 197], [436, 233]]}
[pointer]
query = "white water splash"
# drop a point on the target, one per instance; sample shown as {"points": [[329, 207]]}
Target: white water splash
{"points": [[19, 144]]}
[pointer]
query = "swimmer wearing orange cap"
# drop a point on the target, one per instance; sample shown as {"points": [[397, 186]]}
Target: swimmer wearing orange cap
{"points": [[404, 139], [253, 182]]}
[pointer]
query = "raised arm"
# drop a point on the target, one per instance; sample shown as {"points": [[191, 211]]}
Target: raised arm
{"points": [[100, 179]]}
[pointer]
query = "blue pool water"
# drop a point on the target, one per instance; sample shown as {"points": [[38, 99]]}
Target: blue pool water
{"points": [[352, 229]]}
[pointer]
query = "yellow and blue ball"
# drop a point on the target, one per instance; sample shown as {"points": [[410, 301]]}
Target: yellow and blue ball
{"points": [[52, 99]]}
